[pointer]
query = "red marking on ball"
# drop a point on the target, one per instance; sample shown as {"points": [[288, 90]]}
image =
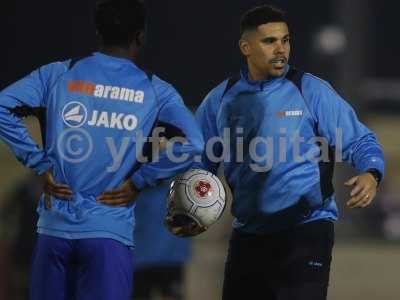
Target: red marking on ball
{"points": [[202, 188]]}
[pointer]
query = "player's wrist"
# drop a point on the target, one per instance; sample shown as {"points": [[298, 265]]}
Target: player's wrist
{"points": [[43, 167], [133, 187], [376, 175]]}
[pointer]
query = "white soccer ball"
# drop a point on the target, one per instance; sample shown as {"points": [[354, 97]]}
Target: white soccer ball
{"points": [[196, 195]]}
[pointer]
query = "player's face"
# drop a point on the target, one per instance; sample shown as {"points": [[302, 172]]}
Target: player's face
{"points": [[267, 50]]}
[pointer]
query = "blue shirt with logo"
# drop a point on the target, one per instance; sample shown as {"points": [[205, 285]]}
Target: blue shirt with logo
{"points": [[95, 113], [271, 132]]}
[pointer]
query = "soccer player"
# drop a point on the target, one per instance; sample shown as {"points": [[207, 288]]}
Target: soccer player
{"points": [[95, 113], [284, 129], [159, 256]]}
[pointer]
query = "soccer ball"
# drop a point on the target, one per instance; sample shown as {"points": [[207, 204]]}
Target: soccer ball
{"points": [[196, 195]]}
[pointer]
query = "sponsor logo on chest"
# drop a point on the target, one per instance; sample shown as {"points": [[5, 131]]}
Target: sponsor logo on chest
{"points": [[289, 113], [105, 91], [75, 115]]}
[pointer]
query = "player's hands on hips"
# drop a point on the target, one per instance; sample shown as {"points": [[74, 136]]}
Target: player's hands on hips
{"points": [[54, 189], [363, 190], [122, 196], [183, 229]]}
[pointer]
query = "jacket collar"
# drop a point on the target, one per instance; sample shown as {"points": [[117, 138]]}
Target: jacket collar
{"points": [[116, 59], [261, 85]]}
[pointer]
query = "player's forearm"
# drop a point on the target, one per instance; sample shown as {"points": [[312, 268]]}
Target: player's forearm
{"points": [[17, 137], [368, 154], [172, 161]]}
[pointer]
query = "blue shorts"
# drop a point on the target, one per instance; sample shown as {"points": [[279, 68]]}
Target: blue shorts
{"points": [[83, 269]]}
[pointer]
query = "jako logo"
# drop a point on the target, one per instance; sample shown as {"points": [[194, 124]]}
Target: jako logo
{"points": [[75, 114], [290, 113], [105, 91]]}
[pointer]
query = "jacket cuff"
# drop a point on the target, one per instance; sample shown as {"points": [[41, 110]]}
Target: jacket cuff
{"points": [[43, 166], [138, 181]]}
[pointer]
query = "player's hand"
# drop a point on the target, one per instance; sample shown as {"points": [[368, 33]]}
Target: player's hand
{"points": [[54, 189], [122, 196], [183, 230], [363, 190]]}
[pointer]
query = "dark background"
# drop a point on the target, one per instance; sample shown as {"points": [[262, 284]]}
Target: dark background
{"points": [[193, 45]]}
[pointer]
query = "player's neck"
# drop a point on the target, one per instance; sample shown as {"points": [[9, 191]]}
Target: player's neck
{"points": [[120, 53], [255, 75]]}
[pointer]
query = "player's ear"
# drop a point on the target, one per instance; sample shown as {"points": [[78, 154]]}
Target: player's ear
{"points": [[139, 38], [244, 47]]}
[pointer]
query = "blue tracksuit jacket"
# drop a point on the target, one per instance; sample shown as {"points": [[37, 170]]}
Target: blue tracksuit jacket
{"points": [[271, 130], [155, 245], [93, 112]]}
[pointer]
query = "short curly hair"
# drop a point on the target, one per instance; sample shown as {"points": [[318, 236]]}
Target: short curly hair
{"points": [[259, 15], [118, 21]]}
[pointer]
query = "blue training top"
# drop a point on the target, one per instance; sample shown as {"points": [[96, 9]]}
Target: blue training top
{"points": [[271, 130], [94, 112]]}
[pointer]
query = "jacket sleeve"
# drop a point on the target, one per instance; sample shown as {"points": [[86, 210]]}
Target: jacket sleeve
{"points": [[206, 116], [181, 128], [338, 123], [25, 94]]}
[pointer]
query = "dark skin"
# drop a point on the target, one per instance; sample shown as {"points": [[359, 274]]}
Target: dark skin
{"points": [[54, 189], [126, 193], [130, 52]]}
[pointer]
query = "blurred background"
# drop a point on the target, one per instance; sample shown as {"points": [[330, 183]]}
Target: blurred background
{"points": [[193, 45]]}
